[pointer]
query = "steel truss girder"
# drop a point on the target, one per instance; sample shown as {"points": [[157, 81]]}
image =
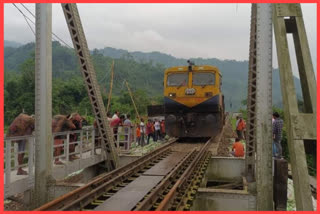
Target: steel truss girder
{"points": [[251, 99], [82, 51], [259, 129]]}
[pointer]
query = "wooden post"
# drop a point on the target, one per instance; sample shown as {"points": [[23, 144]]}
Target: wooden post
{"points": [[280, 183], [135, 107], [111, 84]]}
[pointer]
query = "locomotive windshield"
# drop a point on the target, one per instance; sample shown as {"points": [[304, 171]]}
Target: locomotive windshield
{"points": [[203, 78], [177, 79]]}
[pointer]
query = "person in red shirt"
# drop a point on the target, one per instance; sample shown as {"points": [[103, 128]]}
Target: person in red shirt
{"points": [[138, 134], [237, 148], [149, 130], [241, 125], [163, 129]]}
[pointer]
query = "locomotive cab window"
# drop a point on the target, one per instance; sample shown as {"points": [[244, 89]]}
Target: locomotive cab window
{"points": [[177, 79], [203, 78]]}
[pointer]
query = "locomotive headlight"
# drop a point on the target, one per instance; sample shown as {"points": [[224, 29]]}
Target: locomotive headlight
{"points": [[172, 94]]}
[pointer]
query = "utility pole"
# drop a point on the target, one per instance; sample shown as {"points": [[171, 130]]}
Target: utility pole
{"points": [[43, 102], [135, 107], [111, 84]]}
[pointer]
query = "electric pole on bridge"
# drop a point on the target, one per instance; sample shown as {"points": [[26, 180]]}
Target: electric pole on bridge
{"points": [[43, 100]]}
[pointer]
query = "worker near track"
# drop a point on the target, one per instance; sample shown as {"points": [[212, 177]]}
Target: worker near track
{"points": [[142, 132], [163, 129], [114, 123], [22, 125], [157, 132], [109, 116], [138, 134], [277, 135], [127, 130], [153, 131], [240, 126], [237, 148], [149, 130]]}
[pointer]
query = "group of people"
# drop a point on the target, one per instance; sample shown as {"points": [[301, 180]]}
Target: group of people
{"points": [[153, 129], [238, 147], [277, 125]]}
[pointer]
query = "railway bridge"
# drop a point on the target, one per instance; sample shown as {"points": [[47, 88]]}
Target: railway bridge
{"points": [[176, 175]]}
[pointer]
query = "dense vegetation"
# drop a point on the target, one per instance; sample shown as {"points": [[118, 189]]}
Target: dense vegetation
{"points": [[68, 90], [143, 71]]}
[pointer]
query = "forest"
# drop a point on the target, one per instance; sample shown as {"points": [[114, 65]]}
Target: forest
{"points": [[143, 71]]}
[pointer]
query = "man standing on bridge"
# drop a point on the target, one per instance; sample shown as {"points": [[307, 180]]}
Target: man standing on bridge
{"points": [[277, 135]]}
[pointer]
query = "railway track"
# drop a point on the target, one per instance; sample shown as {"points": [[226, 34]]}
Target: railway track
{"points": [[165, 179]]}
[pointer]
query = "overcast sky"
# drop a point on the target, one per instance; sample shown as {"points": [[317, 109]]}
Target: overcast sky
{"points": [[182, 30]]}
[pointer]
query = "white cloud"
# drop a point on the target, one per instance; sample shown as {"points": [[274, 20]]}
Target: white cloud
{"points": [[182, 30]]}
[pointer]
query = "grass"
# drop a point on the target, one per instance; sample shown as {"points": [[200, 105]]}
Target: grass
{"points": [[233, 123]]}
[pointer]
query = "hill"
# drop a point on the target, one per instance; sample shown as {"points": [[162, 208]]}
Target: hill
{"points": [[142, 70], [235, 73], [11, 44]]}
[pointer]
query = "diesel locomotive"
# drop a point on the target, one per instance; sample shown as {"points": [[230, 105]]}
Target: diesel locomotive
{"points": [[193, 101]]}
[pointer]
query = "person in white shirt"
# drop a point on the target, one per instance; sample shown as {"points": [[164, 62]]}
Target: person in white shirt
{"points": [[157, 130], [142, 132]]}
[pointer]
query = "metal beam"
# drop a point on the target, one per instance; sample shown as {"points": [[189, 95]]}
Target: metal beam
{"points": [[300, 127], [264, 108], [251, 100], [43, 101], [259, 107], [82, 51]]}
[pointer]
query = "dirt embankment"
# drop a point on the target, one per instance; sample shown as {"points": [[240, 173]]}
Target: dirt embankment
{"points": [[226, 140]]}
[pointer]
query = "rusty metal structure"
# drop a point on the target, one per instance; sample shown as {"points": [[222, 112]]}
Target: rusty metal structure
{"points": [[259, 131], [161, 180], [82, 51], [251, 99]]}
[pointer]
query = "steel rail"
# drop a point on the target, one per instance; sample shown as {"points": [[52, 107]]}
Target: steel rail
{"points": [[153, 196], [83, 195], [185, 198], [169, 198]]}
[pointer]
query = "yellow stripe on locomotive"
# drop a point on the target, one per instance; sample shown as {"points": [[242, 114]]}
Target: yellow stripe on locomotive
{"points": [[193, 101]]}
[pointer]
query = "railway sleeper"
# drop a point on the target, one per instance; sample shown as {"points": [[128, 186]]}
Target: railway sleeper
{"points": [[187, 198]]}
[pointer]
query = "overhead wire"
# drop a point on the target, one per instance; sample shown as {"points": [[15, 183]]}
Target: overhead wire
{"points": [[29, 25], [26, 17], [56, 36], [52, 32]]}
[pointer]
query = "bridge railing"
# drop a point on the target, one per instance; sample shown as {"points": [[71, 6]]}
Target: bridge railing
{"points": [[11, 163], [83, 141], [124, 136]]}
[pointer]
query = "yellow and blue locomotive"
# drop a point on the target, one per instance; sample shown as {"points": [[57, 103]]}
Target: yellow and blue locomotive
{"points": [[193, 101]]}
